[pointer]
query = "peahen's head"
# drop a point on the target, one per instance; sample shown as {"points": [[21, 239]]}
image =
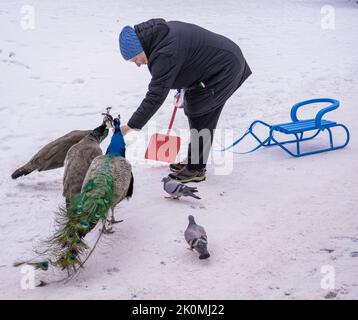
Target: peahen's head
{"points": [[117, 147], [101, 132], [108, 120]]}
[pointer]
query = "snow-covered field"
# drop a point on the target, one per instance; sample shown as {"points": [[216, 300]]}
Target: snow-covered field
{"points": [[275, 224]]}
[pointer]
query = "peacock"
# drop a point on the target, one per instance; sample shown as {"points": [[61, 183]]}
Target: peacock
{"points": [[108, 181], [52, 155]]}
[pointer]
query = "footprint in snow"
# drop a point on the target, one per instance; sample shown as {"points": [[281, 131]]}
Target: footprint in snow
{"points": [[327, 250], [17, 63], [111, 270], [198, 207], [354, 239], [78, 81], [11, 195], [40, 186]]}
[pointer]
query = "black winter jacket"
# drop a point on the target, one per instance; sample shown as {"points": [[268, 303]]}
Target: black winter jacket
{"points": [[181, 55]]}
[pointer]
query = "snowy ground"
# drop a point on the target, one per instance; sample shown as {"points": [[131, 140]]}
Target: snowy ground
{"points": [[273, 222]]}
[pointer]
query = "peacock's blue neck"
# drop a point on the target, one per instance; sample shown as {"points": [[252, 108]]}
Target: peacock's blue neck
{"points": [[117, 147]]}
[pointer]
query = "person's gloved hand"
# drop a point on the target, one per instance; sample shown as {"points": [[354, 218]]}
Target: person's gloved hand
{"points": [[179, 103]]}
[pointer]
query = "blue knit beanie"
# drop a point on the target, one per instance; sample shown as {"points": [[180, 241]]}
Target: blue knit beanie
{"points": [[129, 43]]}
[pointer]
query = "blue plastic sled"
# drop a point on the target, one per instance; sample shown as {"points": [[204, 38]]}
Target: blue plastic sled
{"points": [[298, 128]]}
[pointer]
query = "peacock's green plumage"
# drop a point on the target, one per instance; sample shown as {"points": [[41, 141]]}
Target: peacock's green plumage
{"points": [[82, 215]]}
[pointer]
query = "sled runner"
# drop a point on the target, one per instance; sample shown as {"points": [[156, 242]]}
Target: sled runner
{"points": [[299, 130]]}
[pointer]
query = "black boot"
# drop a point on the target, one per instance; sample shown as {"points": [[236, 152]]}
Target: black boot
{"points": [[175, 167], [185, 175]]}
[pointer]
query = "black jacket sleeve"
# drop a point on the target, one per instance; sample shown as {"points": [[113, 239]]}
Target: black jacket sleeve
{"points": [[164, 70]]}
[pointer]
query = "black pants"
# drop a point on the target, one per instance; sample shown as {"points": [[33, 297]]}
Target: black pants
{"points": [[200, 146]]}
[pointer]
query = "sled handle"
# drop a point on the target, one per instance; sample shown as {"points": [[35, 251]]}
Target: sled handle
{"points": [[334, 105]]}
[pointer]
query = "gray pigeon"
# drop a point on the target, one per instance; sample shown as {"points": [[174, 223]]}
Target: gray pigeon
{"points": [[177, 189], [197, 239]]}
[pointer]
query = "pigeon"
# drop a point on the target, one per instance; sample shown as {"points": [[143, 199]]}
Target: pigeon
{"points": [[177, 189], [195, 236]]}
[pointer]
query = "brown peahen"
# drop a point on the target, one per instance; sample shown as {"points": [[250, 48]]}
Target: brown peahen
{"points": [[79, 158], [52, 155]]}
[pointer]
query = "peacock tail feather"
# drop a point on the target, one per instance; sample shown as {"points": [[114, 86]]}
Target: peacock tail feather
{"points": [[81, 216]]}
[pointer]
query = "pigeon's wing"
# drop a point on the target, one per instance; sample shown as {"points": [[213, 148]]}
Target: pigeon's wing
{"points": [[191, 194], [171, 186], [181, 189], [190, 234], [189, 191], [192, 189], [200, 231]]}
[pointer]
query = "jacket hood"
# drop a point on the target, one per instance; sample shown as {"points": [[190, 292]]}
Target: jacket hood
{"points": [[151, 33]]}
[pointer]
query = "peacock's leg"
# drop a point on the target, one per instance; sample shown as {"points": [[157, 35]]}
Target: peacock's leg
{"points": [[113, 220], [105, 229]]}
